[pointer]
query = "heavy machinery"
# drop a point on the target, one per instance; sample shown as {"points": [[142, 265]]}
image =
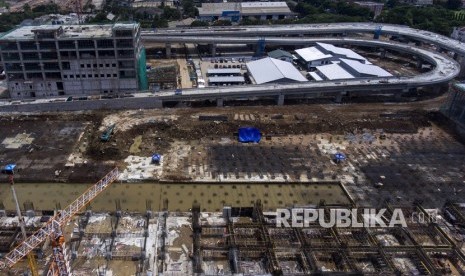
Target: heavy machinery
{"points": [[106, 135], [52, 230]]}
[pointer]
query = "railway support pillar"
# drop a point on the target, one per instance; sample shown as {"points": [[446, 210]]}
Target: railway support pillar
{"points": [[219, 102], [158, 104], [436, 89], [339, 97], [213, 49], [398, 95], [168, 50], [461, 60], [383, 53], [280, 99]]}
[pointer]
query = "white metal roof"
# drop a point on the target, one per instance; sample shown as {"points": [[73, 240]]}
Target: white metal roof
{"points": [[221, 71], [333, 72], [312, 54], [247, 8], [340, 51], [269, 69], [315, 76], [226, 79], [366, 69]]}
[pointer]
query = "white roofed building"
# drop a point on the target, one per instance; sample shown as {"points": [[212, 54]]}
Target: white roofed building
{"points": [[331, 72], [270, 70], [348, 69], [361, 70], [323, 53], [313, 57], [245, 10]]}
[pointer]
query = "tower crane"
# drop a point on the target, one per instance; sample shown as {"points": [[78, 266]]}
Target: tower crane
{"points": [[52, 230], [9, 170]]}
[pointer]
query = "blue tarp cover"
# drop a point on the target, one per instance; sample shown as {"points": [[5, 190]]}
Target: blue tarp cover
{"points": [[340, 156], [156, 158], [10, 167], [249, 135]]}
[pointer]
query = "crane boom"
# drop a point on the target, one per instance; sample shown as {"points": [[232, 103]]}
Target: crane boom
{"points": [[55, 223]]}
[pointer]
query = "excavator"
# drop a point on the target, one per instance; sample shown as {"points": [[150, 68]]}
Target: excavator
{"points": [[59, 265]]}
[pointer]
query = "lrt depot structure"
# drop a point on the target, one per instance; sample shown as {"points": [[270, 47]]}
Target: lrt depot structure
{"points": [[67, 60]]}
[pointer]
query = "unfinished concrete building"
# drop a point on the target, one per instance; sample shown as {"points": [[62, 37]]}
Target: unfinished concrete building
{"points": [[54, 60]]}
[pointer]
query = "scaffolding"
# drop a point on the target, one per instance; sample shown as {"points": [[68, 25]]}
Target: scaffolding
{"points": [[255, 245]]}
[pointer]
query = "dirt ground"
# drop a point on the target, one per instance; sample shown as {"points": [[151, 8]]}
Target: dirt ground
{"points": [[298, 143]]}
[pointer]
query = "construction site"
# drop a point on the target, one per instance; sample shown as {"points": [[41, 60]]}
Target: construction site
{"points": [[208, 204]]}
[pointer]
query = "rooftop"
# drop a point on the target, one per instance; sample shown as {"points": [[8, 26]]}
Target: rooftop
{"points": [[269, 69], [226, 79], [334, 72], [244, 8], [312, 53], [348, 53], [78, 31], [212, 71], [280, 53], [365, 69]]}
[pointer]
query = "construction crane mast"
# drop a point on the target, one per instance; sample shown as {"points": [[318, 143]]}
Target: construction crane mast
{"points": [[9, 170], [53, 231]]}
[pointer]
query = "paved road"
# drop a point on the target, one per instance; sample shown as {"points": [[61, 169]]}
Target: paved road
{"points": [[445, 68], [303, 29]]}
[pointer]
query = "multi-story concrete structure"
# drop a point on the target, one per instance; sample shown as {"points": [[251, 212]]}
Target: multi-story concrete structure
{"points": [[54, 60]]}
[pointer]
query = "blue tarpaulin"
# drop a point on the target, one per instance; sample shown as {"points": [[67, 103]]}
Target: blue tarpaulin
{"points": [[339, 157], [249, 135], [156, 158], [9, 169]]}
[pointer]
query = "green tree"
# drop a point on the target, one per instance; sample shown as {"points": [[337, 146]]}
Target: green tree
{"points": [[189, 8], [222, 23], [199, 23], [171, 14], [27, 8], [454, 4], [159, 22]]}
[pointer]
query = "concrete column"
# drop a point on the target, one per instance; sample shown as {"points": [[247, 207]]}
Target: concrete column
{"points": [[219, 102], [383, 53], [462, 115], [213, 49], [280, 99], [158, 104], [436, 88], [338, 98], [461, 60], [168, 50]]}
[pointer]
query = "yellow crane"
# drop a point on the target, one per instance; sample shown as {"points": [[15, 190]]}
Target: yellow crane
{"points": [[52, 230]]}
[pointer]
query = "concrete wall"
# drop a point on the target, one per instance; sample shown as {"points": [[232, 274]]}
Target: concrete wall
{"points": [[125, 103]]}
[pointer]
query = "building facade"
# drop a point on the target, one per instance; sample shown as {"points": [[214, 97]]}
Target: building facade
{"points": [[236, 11], [73, 60]]}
